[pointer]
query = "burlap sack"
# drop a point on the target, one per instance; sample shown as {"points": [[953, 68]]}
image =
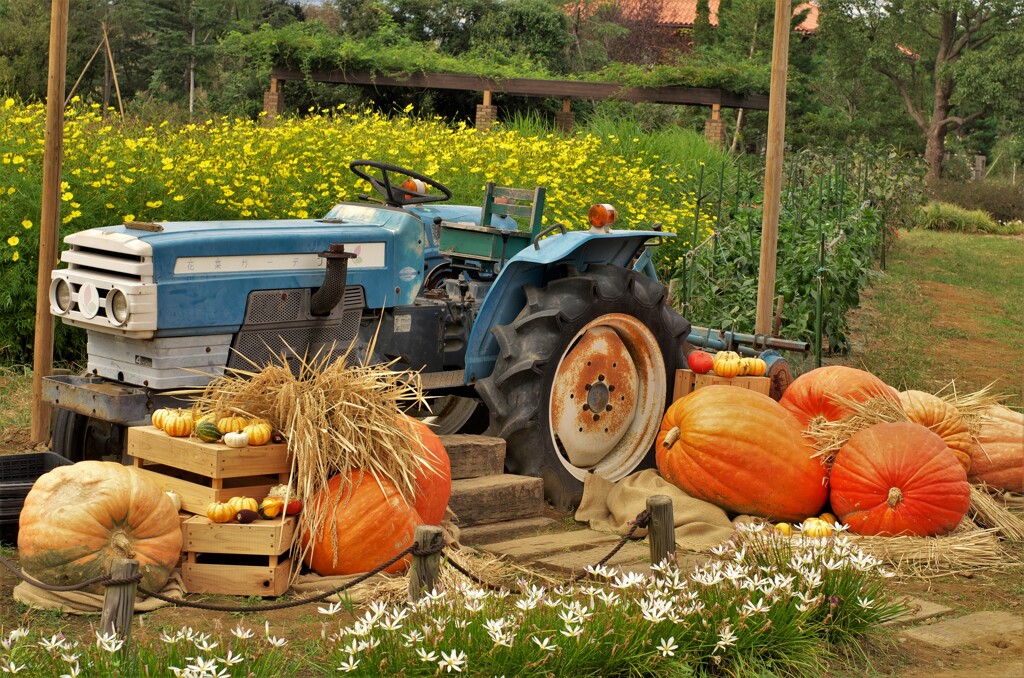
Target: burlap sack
{"points": [[609, 507], [81, 602]]}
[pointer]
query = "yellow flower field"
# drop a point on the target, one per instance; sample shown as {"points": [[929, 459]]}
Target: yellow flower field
{"points": [[240, 169]]}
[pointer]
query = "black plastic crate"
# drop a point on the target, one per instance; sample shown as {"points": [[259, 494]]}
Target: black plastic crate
{"points": [[18, 472]]}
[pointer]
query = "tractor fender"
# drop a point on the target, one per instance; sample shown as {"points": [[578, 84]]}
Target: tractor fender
{"points": [[538, 265]]}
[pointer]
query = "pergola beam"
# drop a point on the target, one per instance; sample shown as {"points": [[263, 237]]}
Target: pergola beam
{"points": [[555, 89]]}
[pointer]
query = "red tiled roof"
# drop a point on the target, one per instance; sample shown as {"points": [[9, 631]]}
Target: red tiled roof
{"points": [[683, 13]]}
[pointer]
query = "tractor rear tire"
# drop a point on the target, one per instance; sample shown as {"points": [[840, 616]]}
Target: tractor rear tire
{"points": [[583, 377], [79, 437]]}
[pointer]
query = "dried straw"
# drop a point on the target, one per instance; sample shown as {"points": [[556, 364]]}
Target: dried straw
{"points": [[974, 405], [990, 512], [829, 436], [958, 552], [336, 418]]}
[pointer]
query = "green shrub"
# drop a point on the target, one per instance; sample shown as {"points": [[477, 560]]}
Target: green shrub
{"points": [[1001, 199], [940, 216]]}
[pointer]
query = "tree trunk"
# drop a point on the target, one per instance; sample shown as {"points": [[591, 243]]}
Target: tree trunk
{"points": [[934, 149]]}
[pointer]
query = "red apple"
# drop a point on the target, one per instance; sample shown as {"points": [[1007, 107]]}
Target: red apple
{"points": [[700, 361]]}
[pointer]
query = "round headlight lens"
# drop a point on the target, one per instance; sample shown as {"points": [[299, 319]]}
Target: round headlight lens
{"points": [[62, 295], [117, 302]]}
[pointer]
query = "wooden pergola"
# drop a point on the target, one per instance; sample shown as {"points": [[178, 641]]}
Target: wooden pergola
{"points": [[566, 90]]}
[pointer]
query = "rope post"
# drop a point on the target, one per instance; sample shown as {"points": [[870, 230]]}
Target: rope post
{"points": [[425, 567], [661, 532], [119, 599]]}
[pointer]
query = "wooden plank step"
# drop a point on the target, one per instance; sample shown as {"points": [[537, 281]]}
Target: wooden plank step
{"points": [[507, 529], [545, 545], [473, 456], [490, 499], [631, 554]]}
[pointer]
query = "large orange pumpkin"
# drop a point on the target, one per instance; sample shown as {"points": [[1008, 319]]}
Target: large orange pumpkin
{"points": [[812, 395], [77, 518], [940, 417], [998, 457], [899, 479], [434, 478], [369, 520], [742, 451]]}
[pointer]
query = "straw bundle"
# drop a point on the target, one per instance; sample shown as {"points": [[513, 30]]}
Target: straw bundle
{"points": [[973, 405], [988, 511], [336, 418], [957, 552]]}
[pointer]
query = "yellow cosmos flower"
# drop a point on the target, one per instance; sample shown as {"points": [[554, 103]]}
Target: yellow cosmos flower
{"points": [[13, 241], [15, 256], [153, 204], [26, 224]]}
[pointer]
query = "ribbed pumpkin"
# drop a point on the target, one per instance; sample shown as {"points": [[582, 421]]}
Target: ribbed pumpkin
{"points": [[998, 457], [370, 521], [231, 424], [742, 451], [259, 432], [812, 395], [178, 423], [77, 518], [434, 479], [941, 418], [899, 479]]}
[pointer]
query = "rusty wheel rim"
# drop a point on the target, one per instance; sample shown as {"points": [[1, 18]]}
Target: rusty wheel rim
{"points": [[607, 397]]}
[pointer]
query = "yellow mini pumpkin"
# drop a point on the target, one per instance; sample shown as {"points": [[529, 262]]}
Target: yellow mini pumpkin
{"points": [[728, 368], [259, 434], [757, 367], [231, 424], [159, 416], [828, 518], [221, 512], [816, 527], [178, 424], [785, 529], [243, 504]]}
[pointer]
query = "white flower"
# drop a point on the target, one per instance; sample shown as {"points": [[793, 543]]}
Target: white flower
{"points": [[751, 607], [474, 605], [608, 597], [725, 638], [413, 637], [74, 670], [599, 570], [202, 642], [168, 638], [572, 631], [625, 580], [109, 641], [277, 642], [349, 664], [69, 658], [332, 609], [426, 656], [528, 603], [54, 642], [7, 665], [369, 644], [242, 633], [233, 658], [544, 644], [668, 647], [452, 662], [866, 603], [505, 640]]}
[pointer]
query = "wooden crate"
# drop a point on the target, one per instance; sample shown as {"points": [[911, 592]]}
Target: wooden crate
{"points": [[238, 560], [204, 473], [236, 575], [260, 537], [688, 381]]}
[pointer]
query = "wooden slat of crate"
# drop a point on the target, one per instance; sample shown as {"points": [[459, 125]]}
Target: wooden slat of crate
{"points": [[236, 580], [214, 460], [687, 382], [260, 537], [198, 492]]}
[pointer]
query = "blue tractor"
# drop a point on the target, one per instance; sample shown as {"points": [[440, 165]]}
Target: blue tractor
{"points": [[562, 343]]}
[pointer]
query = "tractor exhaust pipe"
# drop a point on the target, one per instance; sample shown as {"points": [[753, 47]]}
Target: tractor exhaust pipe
{"points": [[332, 292]]}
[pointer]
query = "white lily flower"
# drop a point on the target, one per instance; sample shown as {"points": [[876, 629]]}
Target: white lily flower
{"points": [[668, 647], [455, 661]]}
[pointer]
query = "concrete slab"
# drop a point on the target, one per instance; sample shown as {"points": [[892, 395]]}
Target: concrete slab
{"points": [[550, 544], [630, 554], [918, 610], [974, 629]]}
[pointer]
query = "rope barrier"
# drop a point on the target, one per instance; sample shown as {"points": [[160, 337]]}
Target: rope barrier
{"points": [[642, 520]]}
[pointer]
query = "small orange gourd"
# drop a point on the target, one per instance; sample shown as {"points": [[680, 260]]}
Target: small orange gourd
{"points": [[159, 416], [259, 433], [243, 504], [231, 424], [728, 368], [220, 512], [178, 424]]}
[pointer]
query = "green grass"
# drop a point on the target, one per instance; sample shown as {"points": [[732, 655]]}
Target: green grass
{"points": [[15, 398], [941, 216], [948, 307]]}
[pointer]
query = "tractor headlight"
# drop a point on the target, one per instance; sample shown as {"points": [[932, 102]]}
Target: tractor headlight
{"points": [[117, 307], [62, 295]]}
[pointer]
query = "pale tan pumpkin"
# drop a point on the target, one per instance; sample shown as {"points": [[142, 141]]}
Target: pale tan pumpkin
{"points": [[77, 518], [998, 457], [942, 418]]}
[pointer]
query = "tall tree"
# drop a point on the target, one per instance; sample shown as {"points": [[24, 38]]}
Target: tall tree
{"points": [[916, 45]]}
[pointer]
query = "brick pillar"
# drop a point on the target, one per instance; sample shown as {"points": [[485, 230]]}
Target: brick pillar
{"points": [[714, 127], [486, 116], [273, 106], [565, 119]]}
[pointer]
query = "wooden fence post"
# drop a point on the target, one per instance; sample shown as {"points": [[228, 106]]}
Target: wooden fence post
{"points": [[119, 600], [661, 533], [424, 570]]}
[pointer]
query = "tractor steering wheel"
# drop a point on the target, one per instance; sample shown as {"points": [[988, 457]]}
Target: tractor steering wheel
{"points": [[395, 194]]}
